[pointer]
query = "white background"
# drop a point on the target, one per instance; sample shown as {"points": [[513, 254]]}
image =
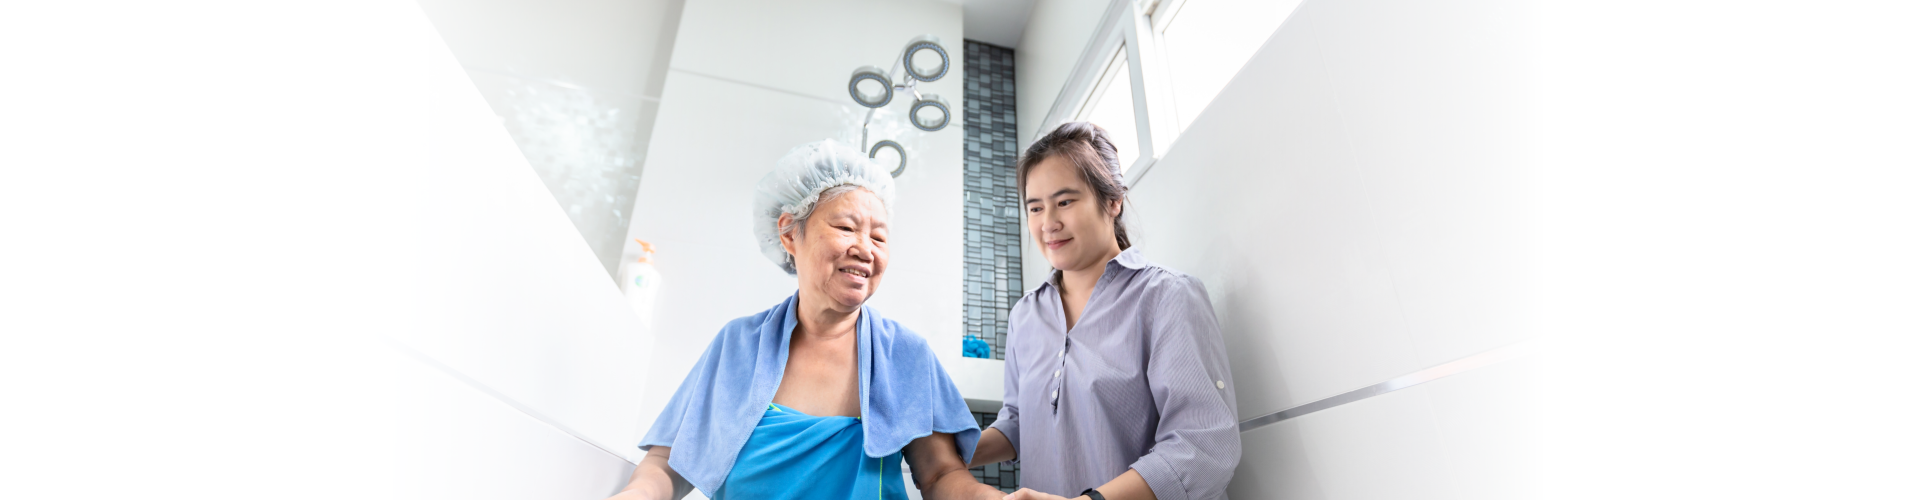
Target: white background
{"points": [[213, 213]]}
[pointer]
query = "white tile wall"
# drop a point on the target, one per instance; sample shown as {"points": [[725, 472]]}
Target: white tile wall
{"points": [[1353, 218], [811, 48], [462, 443], [1358, 201], [339, 182], [503, 289], [1261, 201], [1468, 436], [1444, 133], [577, 84]]}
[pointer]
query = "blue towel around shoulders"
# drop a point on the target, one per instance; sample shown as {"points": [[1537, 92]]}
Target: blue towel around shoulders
{"points": [[904, 394]]}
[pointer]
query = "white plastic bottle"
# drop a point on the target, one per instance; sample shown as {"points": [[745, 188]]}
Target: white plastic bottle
{"points": [[641, 283]]}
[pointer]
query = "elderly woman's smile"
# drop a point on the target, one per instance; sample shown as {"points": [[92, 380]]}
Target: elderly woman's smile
{"points": [[840, 250]]}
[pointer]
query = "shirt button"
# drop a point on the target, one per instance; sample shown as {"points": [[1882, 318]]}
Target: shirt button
{"points": [[1220, 384], [1056, 395], [1058, 354], [1056, 374]]}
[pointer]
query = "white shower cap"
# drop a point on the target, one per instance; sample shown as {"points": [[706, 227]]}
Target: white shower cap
{"points": [[795, 184]]}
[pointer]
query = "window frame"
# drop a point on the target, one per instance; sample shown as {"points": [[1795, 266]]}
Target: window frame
{"points": [[1127, 27], [1102, 85]]}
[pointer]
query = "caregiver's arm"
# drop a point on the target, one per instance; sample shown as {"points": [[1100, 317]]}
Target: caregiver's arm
{"points": [[996, 443], [941, 475], [1196, 444], [654, 480], [994, 447]]}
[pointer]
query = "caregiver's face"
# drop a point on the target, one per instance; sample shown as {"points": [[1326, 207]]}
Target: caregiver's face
{"points": [[842, 252], [1066, 216]]}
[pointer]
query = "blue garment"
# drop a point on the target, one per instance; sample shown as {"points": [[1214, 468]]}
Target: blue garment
{"points": [[904, 394], [793, 455]]}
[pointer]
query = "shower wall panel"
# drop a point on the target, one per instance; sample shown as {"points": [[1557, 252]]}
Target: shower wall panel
{"points": [[1358, 203]]}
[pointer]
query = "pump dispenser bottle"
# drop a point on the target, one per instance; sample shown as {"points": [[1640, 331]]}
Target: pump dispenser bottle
{"points": [[641, 283]]}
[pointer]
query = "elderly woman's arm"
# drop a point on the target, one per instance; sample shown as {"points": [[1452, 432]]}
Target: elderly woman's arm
{"points": [[654, 480], [941, 475]]}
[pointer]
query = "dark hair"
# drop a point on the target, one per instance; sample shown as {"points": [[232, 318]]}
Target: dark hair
{"points": [[1087, 147]]}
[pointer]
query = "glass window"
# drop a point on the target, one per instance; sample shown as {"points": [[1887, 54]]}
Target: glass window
{"points": [[1111, 107], [1207, 42]]}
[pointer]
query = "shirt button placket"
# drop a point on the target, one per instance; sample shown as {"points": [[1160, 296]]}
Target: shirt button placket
{"points": [[1059, 367]]}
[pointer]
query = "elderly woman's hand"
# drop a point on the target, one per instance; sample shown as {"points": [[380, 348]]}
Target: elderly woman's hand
{"points": [[633, 495], [653, 479]]}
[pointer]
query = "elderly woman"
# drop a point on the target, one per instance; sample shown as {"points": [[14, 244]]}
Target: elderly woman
{"points": [[819, 396]]}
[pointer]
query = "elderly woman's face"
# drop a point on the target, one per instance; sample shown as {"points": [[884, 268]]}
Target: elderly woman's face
{"points": [[842, 252]]}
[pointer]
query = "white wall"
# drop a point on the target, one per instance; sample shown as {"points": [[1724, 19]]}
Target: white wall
{"points": [[750, 80], [520, 371], [291, 207], [577, 83], [998, 22], [509, 294], [460, 442], [1359, 203], [1055, 35]]}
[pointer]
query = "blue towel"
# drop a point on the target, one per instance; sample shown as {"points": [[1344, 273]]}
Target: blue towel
{"points": [[904, 394], [791, 448], [975, 347]]}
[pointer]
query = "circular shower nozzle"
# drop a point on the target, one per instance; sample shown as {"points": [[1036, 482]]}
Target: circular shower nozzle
{"points": [[871, 98], [930, 113], [925, 72], [875, 152]]}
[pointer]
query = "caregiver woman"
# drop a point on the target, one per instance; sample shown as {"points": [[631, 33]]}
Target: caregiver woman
{"points": [[818, 397], [1117, 384]]}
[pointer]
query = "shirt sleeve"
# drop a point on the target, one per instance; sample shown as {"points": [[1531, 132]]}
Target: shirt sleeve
{"points": [[1197, 444], [1009, 419]]}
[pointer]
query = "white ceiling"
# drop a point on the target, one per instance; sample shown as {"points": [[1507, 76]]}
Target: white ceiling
{"points": [[999, 22]]}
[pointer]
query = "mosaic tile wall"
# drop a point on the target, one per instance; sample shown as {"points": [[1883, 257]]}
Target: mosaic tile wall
{"points": [[1003, 475], [993, 218]]}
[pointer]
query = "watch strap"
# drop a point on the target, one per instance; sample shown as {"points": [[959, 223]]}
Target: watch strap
{"points": [[1093, 494]]}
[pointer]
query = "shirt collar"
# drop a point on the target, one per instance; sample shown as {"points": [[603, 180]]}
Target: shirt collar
{"points": [[1130, 259]]}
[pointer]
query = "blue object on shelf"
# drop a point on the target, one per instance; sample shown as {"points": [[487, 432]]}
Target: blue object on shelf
{"points": [[975, 347]]}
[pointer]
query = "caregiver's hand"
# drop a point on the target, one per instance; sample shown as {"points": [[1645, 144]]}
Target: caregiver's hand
{"points": [[1026, 494], [1129, 486]]}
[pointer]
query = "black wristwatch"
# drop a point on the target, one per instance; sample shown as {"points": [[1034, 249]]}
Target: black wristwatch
{"points": [[1093, 494]]}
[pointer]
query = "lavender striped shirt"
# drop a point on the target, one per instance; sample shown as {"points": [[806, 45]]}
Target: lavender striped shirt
{"points": [[1140, 382]]}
